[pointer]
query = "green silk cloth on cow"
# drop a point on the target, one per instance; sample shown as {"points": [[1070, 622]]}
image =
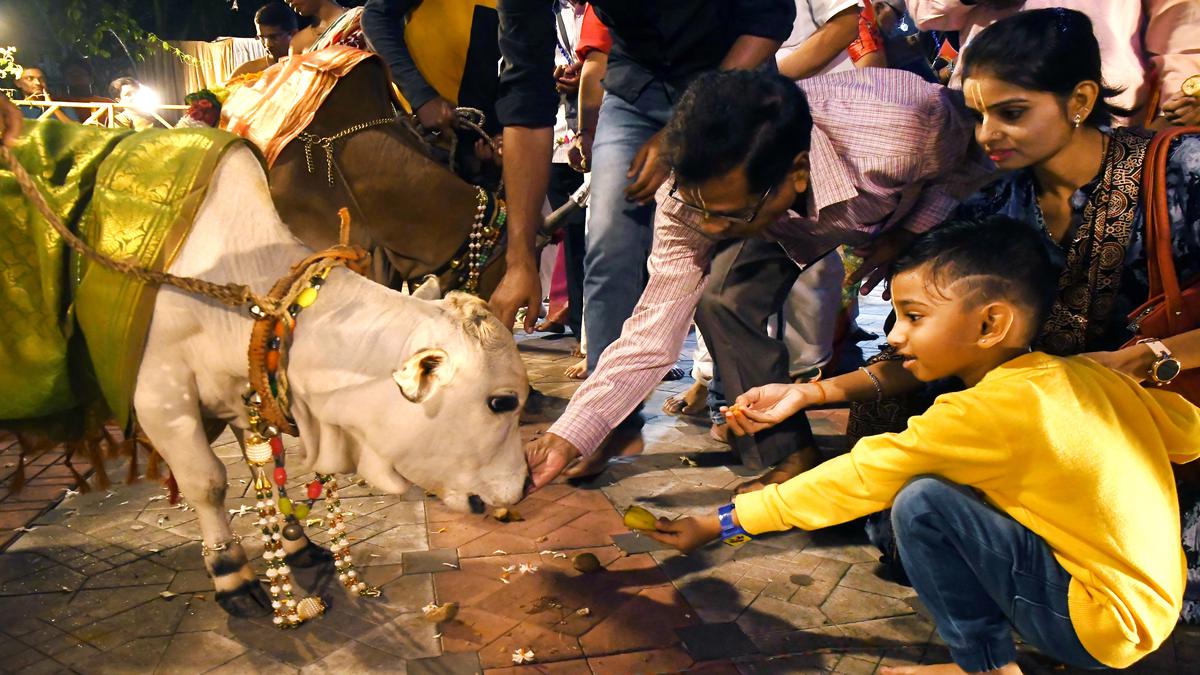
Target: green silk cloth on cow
{"points": [[72, 329]]}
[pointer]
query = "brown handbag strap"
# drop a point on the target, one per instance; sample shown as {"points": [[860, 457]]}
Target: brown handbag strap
{"points": [[1160, 263]]}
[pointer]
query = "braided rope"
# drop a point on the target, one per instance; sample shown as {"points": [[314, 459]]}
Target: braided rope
{"points": [[232, 295]]}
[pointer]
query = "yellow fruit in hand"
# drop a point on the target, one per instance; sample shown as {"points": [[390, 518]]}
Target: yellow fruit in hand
{"points": [[1191, 86], [637, 518]]}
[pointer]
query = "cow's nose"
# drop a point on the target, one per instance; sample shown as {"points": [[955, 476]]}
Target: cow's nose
{"points": [[476, 504]]}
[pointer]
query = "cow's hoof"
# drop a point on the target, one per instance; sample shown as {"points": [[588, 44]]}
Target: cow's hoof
{"points": [[245, 601], [309, 556]]}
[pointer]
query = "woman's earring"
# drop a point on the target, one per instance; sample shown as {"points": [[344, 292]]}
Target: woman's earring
{"points": [[1078, 119]]}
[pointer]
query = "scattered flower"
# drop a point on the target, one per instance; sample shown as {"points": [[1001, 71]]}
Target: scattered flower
{"points": [[450, 565], [499, 552], [240, 511], [688, 461], [508, 569], [163, 520], [523, 656], [440, 530], [167, 595], [137, 526], [24, 529], [70, 493], [156, 498], [583, 611], [528, 569]]}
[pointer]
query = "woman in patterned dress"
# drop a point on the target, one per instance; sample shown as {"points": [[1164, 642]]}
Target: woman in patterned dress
{"points": [[335, 25]]}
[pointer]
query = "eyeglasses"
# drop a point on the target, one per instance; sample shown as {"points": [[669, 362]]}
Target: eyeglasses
{"points": [[743, 217]]}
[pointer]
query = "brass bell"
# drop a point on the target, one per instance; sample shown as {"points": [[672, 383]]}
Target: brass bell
{"points": [[310, 608]]}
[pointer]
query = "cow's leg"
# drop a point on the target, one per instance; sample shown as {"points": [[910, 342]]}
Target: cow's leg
{"points": [[178, 432], [299, 549]]}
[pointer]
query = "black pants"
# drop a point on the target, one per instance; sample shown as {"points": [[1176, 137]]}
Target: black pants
{"points": [[749, 282], [564, 181]]}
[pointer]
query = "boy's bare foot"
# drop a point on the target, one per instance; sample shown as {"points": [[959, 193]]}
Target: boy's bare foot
{"points": [[719, 432], [620, 443], [793, 465], [579, 371], [691, 402], [946, 669]]}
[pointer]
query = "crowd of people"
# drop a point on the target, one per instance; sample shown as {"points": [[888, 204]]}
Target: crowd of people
{"points": [[747, 167]]}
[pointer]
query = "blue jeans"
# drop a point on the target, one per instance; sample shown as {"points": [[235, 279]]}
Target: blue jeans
{"points": [[619, 232], [983, 574]]}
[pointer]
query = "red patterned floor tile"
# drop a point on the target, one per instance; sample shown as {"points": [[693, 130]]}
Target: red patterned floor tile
{"points": [[574, 667], [473, 630], [497, 541], [569, 537], [465, 588], [648, 621], [588, 500], [453, 534], [546, 645], [600, 522], [651, 661]]}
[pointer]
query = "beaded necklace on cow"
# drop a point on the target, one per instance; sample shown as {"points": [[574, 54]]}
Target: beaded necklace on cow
{"points": [[486, 230], [260, 448], [267, 406]]}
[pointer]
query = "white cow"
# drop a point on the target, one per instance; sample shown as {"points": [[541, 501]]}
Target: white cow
{"points": [[452, 430]]}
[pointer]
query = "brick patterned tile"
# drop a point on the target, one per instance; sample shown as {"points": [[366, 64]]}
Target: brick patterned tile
{"points": [[646, 621], [547, 646], [474, 629], [669, 660]]}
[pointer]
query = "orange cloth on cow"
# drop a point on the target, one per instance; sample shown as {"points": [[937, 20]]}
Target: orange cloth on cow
{"points": [[280, 104]]}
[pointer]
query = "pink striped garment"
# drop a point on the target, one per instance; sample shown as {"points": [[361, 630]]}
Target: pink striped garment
{"points": [[888, 149]]}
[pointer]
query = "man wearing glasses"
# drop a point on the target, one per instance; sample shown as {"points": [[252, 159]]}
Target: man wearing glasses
{"points": [[769, 175]]}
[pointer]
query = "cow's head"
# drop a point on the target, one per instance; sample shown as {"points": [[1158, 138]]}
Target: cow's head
{"points": [[441, 412]]}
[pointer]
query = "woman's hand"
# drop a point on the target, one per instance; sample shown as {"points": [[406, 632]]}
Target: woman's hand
{"points": [[764, 407], [1134, 360], [686, 534]]}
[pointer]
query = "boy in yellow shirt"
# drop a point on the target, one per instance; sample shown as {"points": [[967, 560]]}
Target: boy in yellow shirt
{"points": [[1040, 498]]}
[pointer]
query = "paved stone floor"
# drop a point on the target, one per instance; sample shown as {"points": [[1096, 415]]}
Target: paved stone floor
{"points": [[112, 581]]}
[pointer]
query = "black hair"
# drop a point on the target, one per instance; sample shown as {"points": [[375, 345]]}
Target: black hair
{"points": [[1004, 258], [759, 121], [115, 85], [77, 62], [1050, 50], [279, 15]]}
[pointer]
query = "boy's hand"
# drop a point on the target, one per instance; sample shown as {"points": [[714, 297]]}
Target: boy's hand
{"points": [[764, 407], [686, 534]]}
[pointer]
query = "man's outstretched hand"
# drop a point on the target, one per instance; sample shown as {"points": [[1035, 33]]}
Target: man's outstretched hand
{"points": [[547, 457], [11, 120], [520, 287]]}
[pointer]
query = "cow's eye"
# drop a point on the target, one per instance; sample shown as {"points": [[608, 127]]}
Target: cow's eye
{"points": [[504, 403]]}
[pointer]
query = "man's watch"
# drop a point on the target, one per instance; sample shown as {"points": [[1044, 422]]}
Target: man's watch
{"points": [[731, 533], [1165, 367]]}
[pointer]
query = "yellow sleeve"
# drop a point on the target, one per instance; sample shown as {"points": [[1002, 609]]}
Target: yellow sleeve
{"points": [[1179, 423], [958, 438]]}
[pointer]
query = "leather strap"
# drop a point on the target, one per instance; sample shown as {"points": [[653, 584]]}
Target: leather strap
{"points": [[1160, 263]]}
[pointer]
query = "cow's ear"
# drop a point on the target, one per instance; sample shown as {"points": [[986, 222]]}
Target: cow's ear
{"points": [[423, 373]]}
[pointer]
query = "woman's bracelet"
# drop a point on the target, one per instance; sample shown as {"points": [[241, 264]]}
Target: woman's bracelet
{"points": [[875, 381], [824, 395]]}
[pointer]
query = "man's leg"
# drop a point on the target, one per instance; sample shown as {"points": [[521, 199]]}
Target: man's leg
{"points": [[810, 316], [982, 574], [749, 281], [619, 233]]}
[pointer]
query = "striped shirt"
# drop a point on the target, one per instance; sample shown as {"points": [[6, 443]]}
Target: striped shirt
{"points": [[888, 149]]}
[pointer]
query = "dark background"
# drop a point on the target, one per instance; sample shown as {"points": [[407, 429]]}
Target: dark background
{"points": [[47, 31]]}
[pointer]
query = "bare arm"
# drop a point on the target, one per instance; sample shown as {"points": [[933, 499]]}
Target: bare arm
{"points": [[11, 121], [749, 52], [822, 46]]}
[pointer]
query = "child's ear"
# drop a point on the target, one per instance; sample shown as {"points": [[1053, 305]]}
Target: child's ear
{"points": [[799, 173], [998, 322]]}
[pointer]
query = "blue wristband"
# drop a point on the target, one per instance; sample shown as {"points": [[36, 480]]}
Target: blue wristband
{"points": [[731, 533]]}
